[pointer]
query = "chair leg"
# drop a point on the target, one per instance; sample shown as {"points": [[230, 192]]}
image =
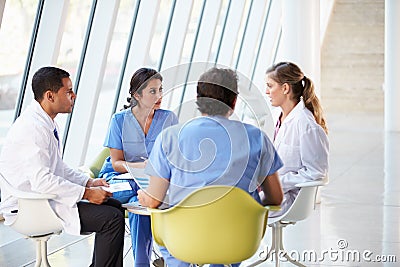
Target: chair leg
{"points": [[44, 253], [263, 259], [277, 250], [278, 245], [41, 251], [281, 249], [318, 195], [293, 261], [38, 253]]}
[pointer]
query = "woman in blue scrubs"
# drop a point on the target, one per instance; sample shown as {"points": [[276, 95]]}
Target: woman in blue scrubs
{"points": [[130, 137]]}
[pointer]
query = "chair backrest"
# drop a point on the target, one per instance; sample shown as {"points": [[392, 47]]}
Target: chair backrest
{"points": [[35, 217], [304, 203], [212, 225], [97, 163]]}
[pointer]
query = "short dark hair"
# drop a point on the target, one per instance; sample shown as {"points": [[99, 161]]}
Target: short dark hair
{"points": [[47, 78], [217, 90]]}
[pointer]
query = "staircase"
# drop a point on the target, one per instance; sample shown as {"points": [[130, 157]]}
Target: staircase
{"points": [[352, 58]]}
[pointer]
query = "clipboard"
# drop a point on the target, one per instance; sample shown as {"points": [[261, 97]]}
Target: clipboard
{"points": [[137, 174]]}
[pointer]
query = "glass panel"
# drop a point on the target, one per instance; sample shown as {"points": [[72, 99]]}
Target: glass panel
{"points": [[239, 39], [111, 77], [159, 34], [15, 37], [184, 66], [191, 31], [218, 30], [71, 44]]}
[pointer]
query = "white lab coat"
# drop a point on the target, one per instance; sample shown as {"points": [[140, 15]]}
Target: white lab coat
{"points": [[303, 147], [31, 161]]}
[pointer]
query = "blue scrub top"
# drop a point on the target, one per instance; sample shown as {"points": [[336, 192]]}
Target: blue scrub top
{"points": [[212, 150], [125, 134]]}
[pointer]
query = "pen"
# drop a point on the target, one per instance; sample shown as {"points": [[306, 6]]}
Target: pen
{"points": [[143, 158]]}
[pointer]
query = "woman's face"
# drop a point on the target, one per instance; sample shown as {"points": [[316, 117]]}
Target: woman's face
{"points": [[275, 91], [151, 95]]}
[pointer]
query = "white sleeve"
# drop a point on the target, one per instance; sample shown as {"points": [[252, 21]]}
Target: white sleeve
{"points": [[41, 166], [314, 152], [74, 176]]}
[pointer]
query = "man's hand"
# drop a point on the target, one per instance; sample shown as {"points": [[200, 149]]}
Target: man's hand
{"points": [[146, 200], [96, 195], [97, 182]]}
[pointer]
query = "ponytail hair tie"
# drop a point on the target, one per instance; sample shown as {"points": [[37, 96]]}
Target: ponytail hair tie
{"points": [[303, 81]]}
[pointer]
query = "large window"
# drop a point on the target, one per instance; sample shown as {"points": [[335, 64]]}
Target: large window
{"points": [[15, 37], [109, 89], [102, 43]]}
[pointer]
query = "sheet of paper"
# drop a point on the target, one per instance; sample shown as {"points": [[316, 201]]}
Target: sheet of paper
{"points": [[118, 187], [124, 176]]}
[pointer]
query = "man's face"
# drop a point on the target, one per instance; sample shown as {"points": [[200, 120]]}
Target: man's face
{"points": [[65, 97]]}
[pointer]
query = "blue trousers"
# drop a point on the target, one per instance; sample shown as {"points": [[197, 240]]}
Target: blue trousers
{"points": [[173, 262], [139, 225]]}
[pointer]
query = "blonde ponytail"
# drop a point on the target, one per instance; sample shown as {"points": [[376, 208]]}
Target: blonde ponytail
{"points": [[312, 103]]}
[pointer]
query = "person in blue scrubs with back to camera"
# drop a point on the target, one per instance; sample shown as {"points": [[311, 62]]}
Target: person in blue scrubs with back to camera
{"points": [[130, 137], [213, 150]]}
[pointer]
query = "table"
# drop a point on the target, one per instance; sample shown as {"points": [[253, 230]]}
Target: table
{"points": [[136, 208]]}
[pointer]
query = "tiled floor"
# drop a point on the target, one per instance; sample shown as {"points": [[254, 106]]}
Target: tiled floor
{"points": [[359, 214]]}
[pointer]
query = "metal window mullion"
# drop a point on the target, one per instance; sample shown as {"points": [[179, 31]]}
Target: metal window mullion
{"points": [[223, 31], [260, 43], [244, 34], [80, 66], [126, 56], [277, 45], [191, 58], [171, 16]]}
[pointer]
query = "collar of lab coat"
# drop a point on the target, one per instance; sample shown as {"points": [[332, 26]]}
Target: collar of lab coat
{"points": [[298, 108], [281, 133], [47, 120]]}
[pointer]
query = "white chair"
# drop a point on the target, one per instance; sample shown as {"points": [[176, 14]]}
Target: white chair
{"points": [[35, 219], [301, 208]]}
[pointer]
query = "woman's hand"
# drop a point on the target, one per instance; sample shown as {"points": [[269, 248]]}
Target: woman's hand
{"points": [[138, 165]]}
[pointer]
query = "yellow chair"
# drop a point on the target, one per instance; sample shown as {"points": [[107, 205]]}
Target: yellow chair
{"points": [[94, 168], [212, 225]]}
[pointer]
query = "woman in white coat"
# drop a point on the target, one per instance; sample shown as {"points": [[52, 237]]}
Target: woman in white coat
{"points": [[301, 133]]}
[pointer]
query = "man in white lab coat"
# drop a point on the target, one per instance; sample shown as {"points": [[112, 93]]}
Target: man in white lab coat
{"points": [[31, 160]]}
